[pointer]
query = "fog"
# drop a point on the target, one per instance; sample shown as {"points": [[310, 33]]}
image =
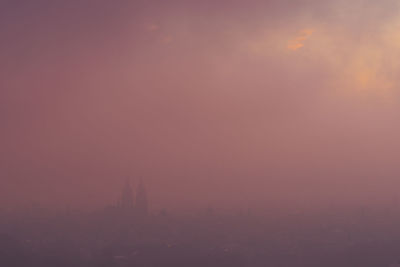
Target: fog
{"points": [[199, 133], [271, 105]]}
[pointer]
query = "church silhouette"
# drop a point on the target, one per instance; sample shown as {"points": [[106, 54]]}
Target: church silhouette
{"points": [[135, 203]]}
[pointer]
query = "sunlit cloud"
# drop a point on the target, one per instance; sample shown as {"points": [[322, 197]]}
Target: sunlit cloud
{"points": [[368, 74], [298, 42]]}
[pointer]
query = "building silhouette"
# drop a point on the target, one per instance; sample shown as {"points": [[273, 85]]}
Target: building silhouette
{"points": [[126, 200], [141, 199], [131, 205]]}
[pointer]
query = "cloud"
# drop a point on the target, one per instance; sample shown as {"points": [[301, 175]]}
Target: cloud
{"points": [[298, 42]]}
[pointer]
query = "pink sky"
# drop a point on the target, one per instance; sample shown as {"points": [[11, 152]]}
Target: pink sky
{"points": [[230, 103]]}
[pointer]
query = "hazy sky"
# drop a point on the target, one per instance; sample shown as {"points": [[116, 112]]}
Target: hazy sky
{"points": [[231, 103]]}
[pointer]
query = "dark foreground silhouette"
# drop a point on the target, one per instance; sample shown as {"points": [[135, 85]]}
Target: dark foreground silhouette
{"points": [[115, 238]]}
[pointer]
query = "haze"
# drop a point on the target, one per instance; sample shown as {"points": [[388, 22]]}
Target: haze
{"points": [[235, 104]]}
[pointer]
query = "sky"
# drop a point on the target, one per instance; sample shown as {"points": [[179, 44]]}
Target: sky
{"points": [[235, 104]]}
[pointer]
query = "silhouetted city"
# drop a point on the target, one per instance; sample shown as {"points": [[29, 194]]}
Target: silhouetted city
{"points": [[129, 234]]}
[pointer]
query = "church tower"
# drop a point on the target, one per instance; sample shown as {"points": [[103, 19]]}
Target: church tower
{"points": [[126, 201], [142, 205]]}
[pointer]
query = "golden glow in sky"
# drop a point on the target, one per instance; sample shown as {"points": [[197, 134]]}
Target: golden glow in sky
{"points": [[299, 41]]}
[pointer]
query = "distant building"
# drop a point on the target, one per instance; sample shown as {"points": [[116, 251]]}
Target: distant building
{"points": [[129, 204], [126, 200], [142, 206]]}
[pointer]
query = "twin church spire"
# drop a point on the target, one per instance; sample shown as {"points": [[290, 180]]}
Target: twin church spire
{"points": [[128, 200]]}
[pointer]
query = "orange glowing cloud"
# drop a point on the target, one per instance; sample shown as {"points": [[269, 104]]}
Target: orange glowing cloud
{"points": [[298, 42]]}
